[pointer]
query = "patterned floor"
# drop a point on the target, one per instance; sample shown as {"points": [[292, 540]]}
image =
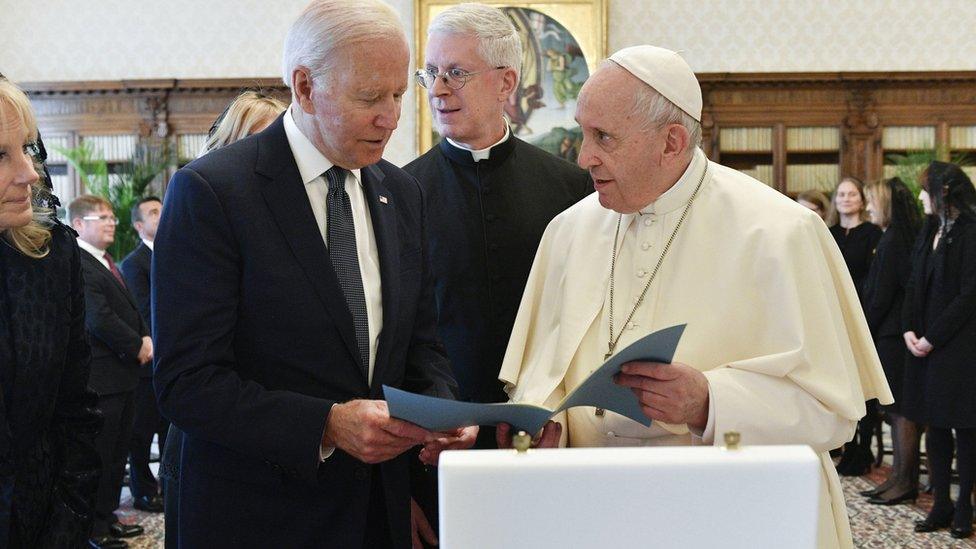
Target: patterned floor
{"points": [[873, 526]]}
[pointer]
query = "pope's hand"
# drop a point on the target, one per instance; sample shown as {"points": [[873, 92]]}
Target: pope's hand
{"points": [[548, 438], [673, 393], [460, 439], [365, 430]]}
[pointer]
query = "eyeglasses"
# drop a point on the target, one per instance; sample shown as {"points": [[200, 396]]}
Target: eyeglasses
{"points": [[453, 78], [110, 219]]}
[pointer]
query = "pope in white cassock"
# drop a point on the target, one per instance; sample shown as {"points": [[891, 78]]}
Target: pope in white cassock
{"points": [[776, 345]]}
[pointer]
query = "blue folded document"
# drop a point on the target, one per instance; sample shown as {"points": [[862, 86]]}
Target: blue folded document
{"points": [[598, 390]]}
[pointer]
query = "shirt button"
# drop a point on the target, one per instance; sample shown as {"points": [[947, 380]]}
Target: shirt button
{"points": [[648, 221], [641, 273], [611, 434], [631, 325], [646, 246]]}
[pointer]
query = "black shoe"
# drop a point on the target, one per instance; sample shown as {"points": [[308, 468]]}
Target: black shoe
{"points": [[961, 533], [150, 504], [934, 521], [107, 542], [907, 496], [120, 530], [872, 492]]}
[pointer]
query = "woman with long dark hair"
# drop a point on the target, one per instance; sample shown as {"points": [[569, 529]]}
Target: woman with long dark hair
{"points": [[940, 333], [892, 207]]}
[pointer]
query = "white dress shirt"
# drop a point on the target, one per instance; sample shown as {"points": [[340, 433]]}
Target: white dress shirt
{"points": [[96, 253], [148, 243], [312, 166]]}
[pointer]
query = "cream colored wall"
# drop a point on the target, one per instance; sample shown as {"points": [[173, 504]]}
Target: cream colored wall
{"points": [[120, 39]]}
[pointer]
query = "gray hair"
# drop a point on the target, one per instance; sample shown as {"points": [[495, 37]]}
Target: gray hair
{"points": [[658, 111], [498, 42], [326, 26]]}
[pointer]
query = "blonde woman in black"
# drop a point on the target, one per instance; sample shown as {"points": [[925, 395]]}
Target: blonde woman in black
{"points": [[892, 207]]}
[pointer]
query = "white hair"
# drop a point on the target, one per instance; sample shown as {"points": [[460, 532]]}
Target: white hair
{"points": [[658, 111], [499, 44], [326, 26]]}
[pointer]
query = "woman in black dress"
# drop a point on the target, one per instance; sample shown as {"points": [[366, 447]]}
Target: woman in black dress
{"points": [[940, 332], [893, 208], [856, 238], [48, 464]]}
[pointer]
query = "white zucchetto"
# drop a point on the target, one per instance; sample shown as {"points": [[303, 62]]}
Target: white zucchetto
{"points": [[666, 72]]}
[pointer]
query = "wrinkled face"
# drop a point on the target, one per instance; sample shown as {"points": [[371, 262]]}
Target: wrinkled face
{"points": [[623, 159], [17, 173], [471, 115], [355, 108], [100, 232], [150, 212], [848, 199]]}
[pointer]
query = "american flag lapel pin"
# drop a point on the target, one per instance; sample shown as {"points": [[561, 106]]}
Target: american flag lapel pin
{"points": [[383, 200]]}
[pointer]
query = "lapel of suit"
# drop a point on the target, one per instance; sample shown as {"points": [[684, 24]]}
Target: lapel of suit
{"points": [[103, 271], [382, 213], [286, 197]]}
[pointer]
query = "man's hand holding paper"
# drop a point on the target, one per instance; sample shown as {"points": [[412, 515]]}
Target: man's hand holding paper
{"points": [[673, 393]]}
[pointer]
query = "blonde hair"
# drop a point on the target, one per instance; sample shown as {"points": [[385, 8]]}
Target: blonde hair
{"points": [[247, 112], [878, 194], [33, 239]]}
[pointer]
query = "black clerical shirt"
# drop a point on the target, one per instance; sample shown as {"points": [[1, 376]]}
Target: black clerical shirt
{"points": [[485, 222]]}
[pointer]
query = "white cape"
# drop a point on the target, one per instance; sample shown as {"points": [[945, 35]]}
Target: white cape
{"points": [[773, 318]]}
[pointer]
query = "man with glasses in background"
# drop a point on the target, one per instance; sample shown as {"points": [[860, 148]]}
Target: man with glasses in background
{"points": [[120, 345], [489, 195]]}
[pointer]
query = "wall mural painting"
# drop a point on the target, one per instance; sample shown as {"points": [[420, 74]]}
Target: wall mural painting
{"points": [[561, 44]]}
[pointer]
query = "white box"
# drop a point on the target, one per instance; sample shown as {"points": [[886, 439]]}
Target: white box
{"points": [[703, 496]]}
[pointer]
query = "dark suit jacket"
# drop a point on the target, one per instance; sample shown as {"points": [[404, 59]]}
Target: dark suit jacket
{"points": [[135, 271], [48, 464], [116, 328], [255, 343], [940, 305]]}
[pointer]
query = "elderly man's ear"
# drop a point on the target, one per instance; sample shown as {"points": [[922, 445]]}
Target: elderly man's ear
{"points": [[301, 85], [509, 82], [676, 142]]}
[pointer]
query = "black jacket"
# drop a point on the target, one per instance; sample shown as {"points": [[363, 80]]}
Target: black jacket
{"points": [[48, 420], [486, 221], [116, 328], [940, 306], [255, 343], [135, 271]]}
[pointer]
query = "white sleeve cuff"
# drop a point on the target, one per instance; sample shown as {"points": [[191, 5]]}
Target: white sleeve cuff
{"points": [[708, 435]]}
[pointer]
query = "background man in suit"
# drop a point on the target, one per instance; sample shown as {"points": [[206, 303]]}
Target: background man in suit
{"points": [[120, 344], [290, 284], [147, 421], [490, 196]]}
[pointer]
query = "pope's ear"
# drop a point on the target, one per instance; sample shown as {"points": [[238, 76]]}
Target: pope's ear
{"points": [[676, 141]]}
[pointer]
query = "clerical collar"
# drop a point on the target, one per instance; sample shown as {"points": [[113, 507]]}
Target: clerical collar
{"points": [[493, 154], [677, 196]]}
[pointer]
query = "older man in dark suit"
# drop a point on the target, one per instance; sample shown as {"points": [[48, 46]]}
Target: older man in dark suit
{"points": [[120, 344], [147, 421], [291, 284]]}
